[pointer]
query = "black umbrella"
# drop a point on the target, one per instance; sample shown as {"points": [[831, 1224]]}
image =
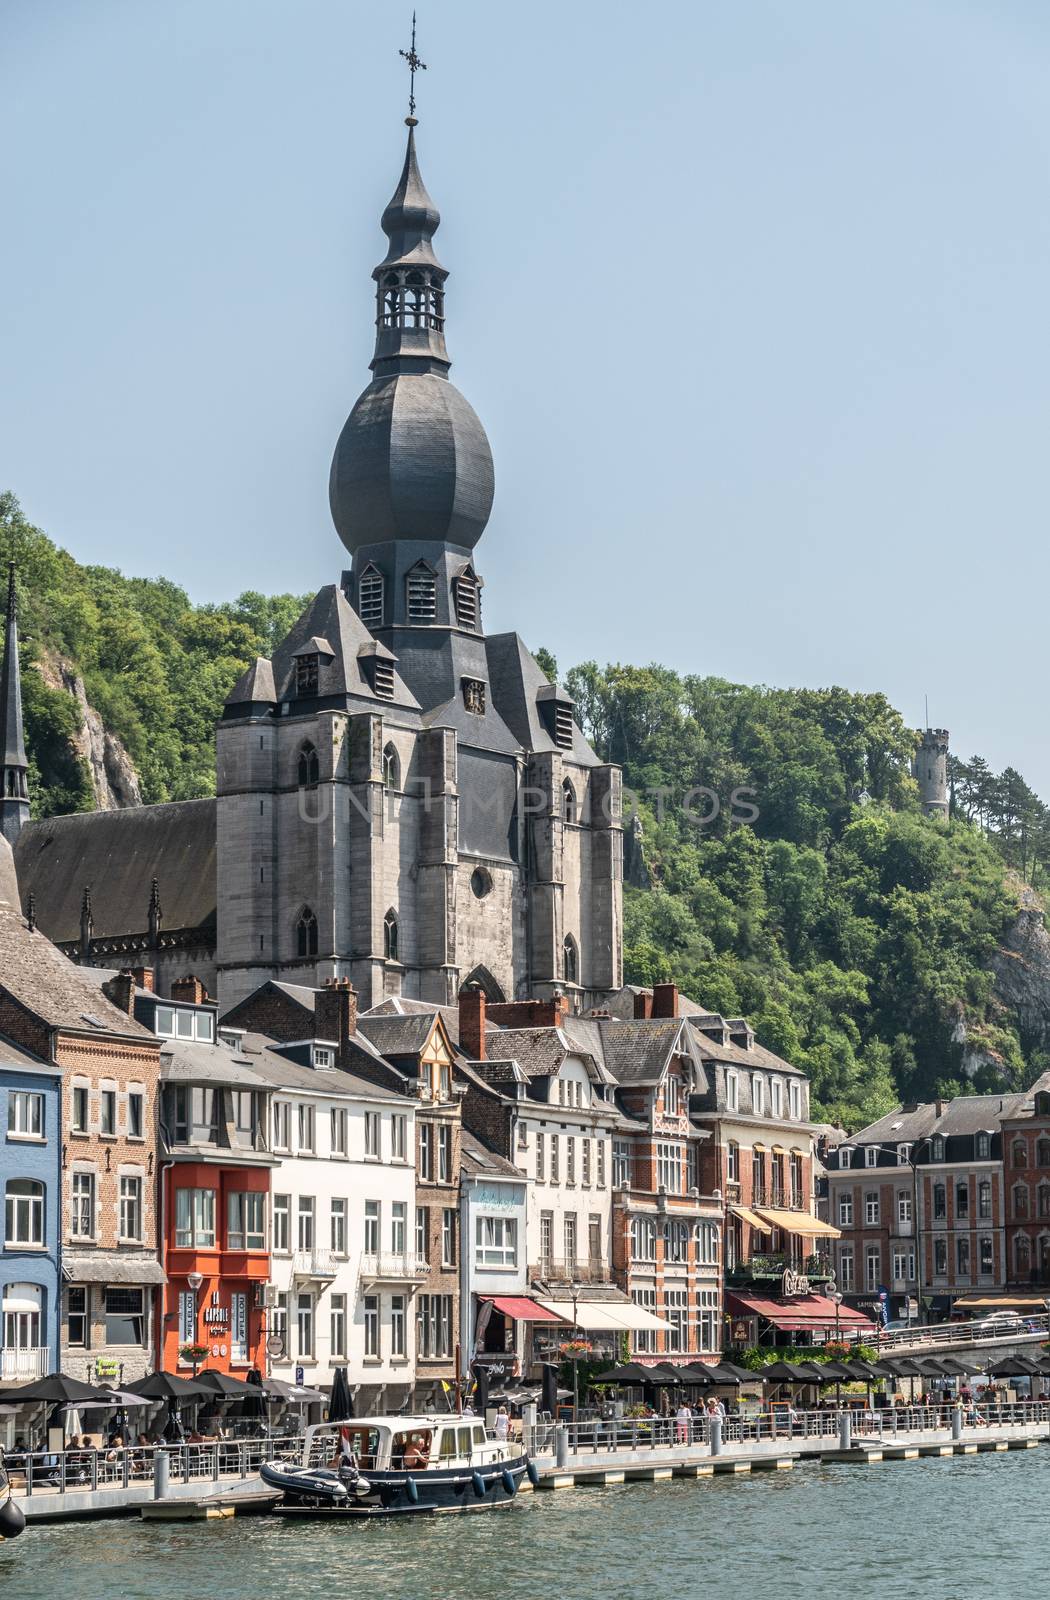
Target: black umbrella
{"points": [[166, 1386], [341, 1405], [221, 1383], [663, 1372], [1015, 1367], [549, 1391], [696, 1372], [901, 1367], [786, 1372], [729, 1372], [833, 1371], [56, 1388], [629, 1372], [481, 1393]]}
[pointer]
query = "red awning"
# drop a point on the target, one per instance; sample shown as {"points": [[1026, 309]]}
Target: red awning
{"points": [[519, 1309], [806, 1312]]}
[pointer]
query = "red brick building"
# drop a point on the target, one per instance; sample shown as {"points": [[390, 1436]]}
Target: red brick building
{"points": [[1026, 1152]]}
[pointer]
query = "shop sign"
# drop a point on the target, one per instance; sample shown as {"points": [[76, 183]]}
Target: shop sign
{"points": [[794, 1283], [217, 1316], [106, 1367], [497, 1364]]}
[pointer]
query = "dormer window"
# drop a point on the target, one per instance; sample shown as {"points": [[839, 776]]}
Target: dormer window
{"points": [[383, 679], [845, 1158], [323, 1056], [307, 675], [466, 598], [555, 708], [370, 597], [421, 593]]}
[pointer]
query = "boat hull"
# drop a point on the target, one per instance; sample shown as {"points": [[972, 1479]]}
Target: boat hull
{"points": [[435, 1490]]}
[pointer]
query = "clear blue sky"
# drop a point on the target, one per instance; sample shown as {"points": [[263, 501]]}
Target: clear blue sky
{"points": [[752, 299]]}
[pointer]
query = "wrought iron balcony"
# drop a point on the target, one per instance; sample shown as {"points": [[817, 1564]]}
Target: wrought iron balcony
{"points": [[394, 1266], [559, 1269], [817, 1267]]}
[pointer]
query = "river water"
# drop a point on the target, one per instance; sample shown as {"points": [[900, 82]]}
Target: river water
{"points": [[966, 1528]]}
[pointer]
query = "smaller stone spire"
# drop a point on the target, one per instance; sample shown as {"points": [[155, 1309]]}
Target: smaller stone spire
{"points": [[87, 922], [155, 913], [14, 775]]}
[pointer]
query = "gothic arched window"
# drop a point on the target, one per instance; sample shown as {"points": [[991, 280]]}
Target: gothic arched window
{"points": [[570, 960], [390, 936], [391, 769], [306, 933], [309, 766], [568, 802]]}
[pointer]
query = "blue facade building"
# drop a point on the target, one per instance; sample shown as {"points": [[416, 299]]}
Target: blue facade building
{"points": [[30, 1229]]}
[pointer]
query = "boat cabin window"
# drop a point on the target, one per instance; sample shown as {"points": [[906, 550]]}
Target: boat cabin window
{"points": [[412, 1449], [479, 1434], [363, 1443]]}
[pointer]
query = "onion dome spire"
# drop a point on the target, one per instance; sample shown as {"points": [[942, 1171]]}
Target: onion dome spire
{"points": [[14, 787], [410, 280]]}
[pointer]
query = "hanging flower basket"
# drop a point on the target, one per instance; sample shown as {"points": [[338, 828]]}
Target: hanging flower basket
{"points": [[192, 1353], [572, 1349]]}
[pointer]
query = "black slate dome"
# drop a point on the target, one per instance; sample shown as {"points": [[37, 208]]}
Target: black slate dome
{"points": [[412, 462]]}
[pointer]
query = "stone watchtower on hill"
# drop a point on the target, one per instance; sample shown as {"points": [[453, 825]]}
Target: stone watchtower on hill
{"points": [[930, 767]]}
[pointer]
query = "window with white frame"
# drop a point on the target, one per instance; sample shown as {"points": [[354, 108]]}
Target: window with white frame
{"points": [[398, 1227], [323, 1057], [282, 1224], [448, 1236], [554, 1159], [871, 1155], [872, 1267], [433, 1326], [845, 1157], [645, 1338], [846, 1272], [540, 1155], [496, 1242], [444, 1153], [903, 1155], [371, 1233], [570, 1160], [776, 1096], [82, 1213], [758, 1094], [282, 1122], [338, 1225], [422, 1232], [195, 1219], [24, 1212], [306, 1141], [871, 1209], [108, 1113], [672, 1095], [398, 1327], [279, 1322], [732, 1092], [426, 1151], [337, 1326], [130, 1214], [372, 1136], [304, 1326], [399, 1136], [794, 1099], [246, 1221], [676, 1310], [585, 1175], [707, 1321], [136, 1114], [670, 1167], [904, 1266], [600, 1144], [621, 1164], [903, 1206], [305, 1219], [80, 1108], [340, 1126], [25, 1114], [845, 1210], [707, 1244], [643, 1238], [676, 1241]]}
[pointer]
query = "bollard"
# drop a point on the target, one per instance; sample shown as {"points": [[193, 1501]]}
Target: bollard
{"points": [[716, 1436], [161, 1469], [957, 1422], [561, 1445], [845, 1431]]}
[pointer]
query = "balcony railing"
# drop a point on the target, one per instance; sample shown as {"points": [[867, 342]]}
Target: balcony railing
{"points": [[315, 1264], [21, 1366], [394, 1267], [817, 1267], [780, 1199], [567, 1269]]}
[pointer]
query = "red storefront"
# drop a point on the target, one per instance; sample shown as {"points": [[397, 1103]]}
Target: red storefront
{"points": [[217, 1261]]}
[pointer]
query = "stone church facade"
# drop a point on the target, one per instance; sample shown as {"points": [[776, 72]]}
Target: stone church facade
{"points": [[401, 800]]}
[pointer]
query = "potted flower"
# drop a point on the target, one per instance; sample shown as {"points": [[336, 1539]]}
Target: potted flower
{"points": [[192, 1354]]}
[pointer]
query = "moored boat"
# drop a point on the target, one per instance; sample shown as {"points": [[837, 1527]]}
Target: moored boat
{"points": [[399, 1466]]}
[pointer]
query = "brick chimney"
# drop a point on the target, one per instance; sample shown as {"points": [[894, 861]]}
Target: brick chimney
{"points": [[665, 1000], [143, 977], [190, 990], [472, 1023], [335, 1012], [121, 992], [529, 1013], [643, 1005]]}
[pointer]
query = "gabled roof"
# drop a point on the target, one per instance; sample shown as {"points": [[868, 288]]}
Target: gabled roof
{"points": [[638, 1052], [396, 1036], [398, 1006], [539, 1052], [117, 854], [516, 680], [47, 984], [330, 624]]}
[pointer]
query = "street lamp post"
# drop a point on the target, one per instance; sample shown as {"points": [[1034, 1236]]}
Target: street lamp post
{"points": [[575, 1290], [195, 1279], [835, 1296]]}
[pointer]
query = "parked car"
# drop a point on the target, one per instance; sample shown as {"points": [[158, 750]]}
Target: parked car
{"points": [[999, 1322]]}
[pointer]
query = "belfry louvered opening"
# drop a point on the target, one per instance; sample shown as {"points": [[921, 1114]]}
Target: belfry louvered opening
{"points": [[421, 594], [370, 597]]}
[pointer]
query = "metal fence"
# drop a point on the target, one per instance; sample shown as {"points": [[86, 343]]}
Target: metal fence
{"points": [[640, 1434], [86, 1471], [951, 1333]]}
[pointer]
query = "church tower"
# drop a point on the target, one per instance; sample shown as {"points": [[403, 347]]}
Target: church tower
{"points": [[14, 784], [403, 800]]}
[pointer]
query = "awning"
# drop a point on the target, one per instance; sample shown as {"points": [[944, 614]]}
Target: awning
{"points": [[598, 1316], [986, 1302], [105, 1266], [809, 1313], [521, 1309], [799, 1222], [751, 1217]]}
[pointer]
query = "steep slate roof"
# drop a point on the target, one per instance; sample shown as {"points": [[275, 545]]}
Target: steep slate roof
{"points": [[399, 1006], [118, 854], [254, 687], [758, 1058], [515, 679], [538, 1051], [637, 1052], [330, 618], [397, 1036], [46, 983], [189, 1061]]}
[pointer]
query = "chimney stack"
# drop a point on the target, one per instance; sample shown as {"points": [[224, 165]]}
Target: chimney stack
{"points": [[472, 1023], [143, 977], [643, 1006], [335, 1013], [120, 991], [665, 1000], [190, 990]]}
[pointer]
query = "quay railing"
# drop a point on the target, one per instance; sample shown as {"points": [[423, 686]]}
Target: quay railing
{"points": [[950, 1333], [88, 1471], [637, 1435]]}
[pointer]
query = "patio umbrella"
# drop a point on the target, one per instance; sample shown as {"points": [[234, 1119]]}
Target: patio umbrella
{"points": [[833, 1371], [628, 1372], [663, 1372], [901, 1367], [481, 1380], [55, 1389], [697, 1372], [1015, 1367], [295, 1394], [222, 1384], [857, 1369], [549, 1390], [124, 1399], [785, 1372], [166, 1386], [735, 1374], [341, 1405]]}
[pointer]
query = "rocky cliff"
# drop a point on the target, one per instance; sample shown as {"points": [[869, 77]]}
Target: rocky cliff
{"points": [[114, 781]]}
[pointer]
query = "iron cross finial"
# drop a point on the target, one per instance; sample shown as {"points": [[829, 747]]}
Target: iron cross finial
{"points": [[414, 65]]}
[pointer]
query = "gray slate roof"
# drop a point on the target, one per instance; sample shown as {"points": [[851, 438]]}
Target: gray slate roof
{"points": [[47, 983], [329, 616], [118, 854], [397, 1036], [478, 1159]]}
